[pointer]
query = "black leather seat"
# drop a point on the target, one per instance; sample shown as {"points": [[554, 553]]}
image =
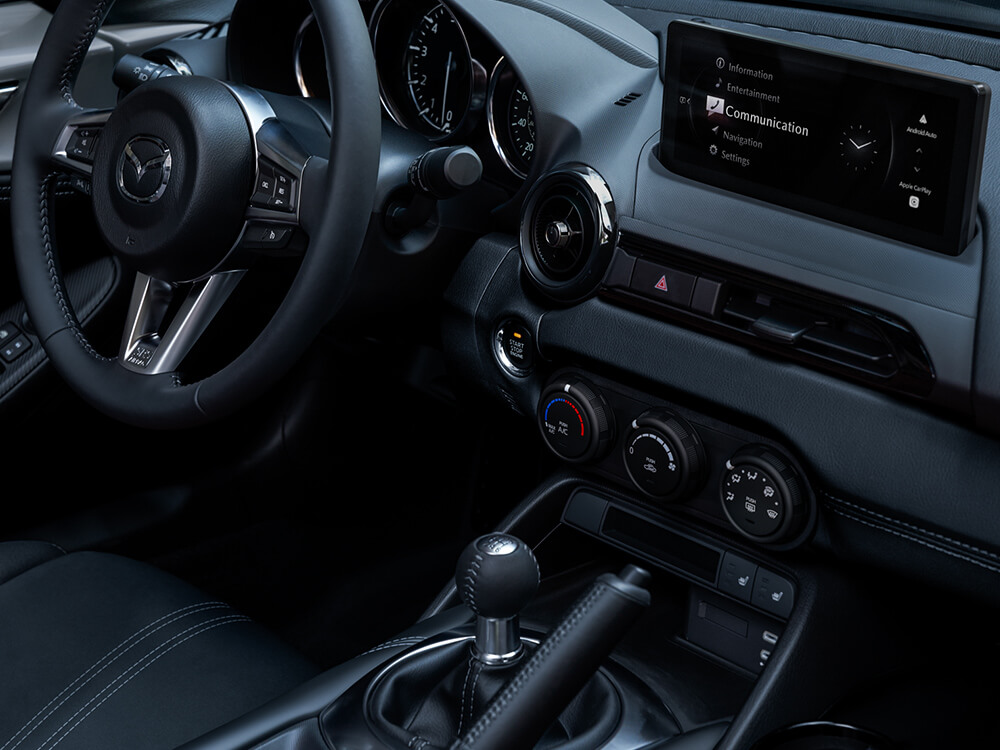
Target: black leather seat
{"points": [[99, 652]]}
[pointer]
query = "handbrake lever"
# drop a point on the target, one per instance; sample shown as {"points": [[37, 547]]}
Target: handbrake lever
{"points": [[561, 665]]}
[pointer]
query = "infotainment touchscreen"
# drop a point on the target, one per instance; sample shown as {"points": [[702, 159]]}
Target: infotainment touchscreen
{"points": [[885, 149]]}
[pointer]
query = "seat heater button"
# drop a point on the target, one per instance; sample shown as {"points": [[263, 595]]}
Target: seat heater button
{"points": [[737, 576], [773, 593], [14, 349]]}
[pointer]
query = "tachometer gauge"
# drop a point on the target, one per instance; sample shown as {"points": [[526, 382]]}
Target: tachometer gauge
{"points": [[511, 119], [426, 72]]}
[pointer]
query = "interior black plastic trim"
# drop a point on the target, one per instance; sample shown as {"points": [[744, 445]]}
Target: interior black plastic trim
{"points": [[836, 335]]}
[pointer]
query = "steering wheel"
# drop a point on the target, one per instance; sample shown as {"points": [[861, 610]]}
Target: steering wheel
{"points": [[181, 185]]}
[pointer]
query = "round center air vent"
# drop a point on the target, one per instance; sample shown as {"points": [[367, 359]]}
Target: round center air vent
{"points": [[568, 232]]}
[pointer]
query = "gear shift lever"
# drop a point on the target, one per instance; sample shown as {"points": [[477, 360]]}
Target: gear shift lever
{"points": [[496, 576], [472, 692]]}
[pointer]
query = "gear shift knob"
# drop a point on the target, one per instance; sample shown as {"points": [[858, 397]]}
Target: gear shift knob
{"points": [[496, 577]]}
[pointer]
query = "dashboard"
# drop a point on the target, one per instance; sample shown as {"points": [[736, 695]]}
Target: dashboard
{"points": [[803, 261], [732, 263]]}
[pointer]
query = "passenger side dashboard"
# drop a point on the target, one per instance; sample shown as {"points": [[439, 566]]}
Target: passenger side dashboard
{"points": [[903, 471]]}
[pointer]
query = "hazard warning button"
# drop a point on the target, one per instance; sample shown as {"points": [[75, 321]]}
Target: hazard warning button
{"points": [[663, 284]]}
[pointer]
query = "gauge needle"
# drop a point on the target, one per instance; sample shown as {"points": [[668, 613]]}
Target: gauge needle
{"points": [[444, 97]]}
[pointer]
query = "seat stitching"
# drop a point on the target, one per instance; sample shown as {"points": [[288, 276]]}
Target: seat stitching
{"points": [[176, 614], [199, 629]]}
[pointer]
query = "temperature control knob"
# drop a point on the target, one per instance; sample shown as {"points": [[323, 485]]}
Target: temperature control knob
{"points": [[575, 420], [763, 495], [664, 456]]}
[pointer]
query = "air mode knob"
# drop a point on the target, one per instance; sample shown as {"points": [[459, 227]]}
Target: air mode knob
{"points": [[664, 456], [763, 494], [575, 420]]}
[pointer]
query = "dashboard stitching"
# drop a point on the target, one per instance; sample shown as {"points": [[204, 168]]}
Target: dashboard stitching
{"points": [[911, 527], [922, 542]]}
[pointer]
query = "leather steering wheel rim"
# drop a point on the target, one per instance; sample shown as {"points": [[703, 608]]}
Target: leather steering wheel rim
{"points": [[336, 203]]}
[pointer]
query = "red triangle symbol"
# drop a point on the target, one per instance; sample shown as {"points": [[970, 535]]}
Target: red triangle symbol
{"points": [[662, 284]]}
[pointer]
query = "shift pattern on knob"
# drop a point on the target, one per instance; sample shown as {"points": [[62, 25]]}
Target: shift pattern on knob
{"points": [[497, 575]]}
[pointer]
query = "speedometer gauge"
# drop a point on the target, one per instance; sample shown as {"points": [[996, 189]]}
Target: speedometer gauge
{"points": [[511, 119], [424, 65]]}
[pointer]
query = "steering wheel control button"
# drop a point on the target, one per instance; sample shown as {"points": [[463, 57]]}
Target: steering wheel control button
{"points": [[663, 284], [82, 144], [267, 236], [284, 191], [663, 455], [761, 494], [737, 576], [773, 593], [514, 347], [575, 420], [264, 185], [274, 188]]}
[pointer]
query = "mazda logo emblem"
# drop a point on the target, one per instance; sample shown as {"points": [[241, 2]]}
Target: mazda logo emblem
{"points": [[144, 169]]}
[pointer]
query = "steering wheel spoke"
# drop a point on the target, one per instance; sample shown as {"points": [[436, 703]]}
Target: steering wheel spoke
{"points": [[159, 331], [272, 213], [77, 143]]}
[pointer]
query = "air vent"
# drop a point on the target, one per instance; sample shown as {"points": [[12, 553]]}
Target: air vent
{"points": [[560, 236], [568, 232], [627, 99]]}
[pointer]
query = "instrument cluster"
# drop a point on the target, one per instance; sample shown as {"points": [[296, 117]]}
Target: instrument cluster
{"points": [[438, 77]]}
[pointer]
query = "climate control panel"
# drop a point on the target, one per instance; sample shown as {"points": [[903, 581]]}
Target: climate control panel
{"points": [[678, 460]]}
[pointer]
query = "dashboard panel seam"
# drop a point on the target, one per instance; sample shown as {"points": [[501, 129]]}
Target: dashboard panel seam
{"points": [[886, 47], [602, 37], [911, 532]]}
